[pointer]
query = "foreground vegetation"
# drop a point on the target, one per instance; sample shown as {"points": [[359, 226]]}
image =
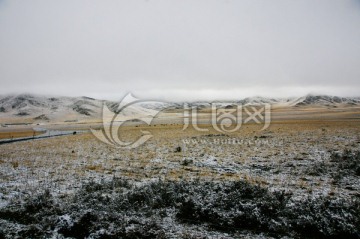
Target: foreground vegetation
{"points": [[291, 181], [121, 209]]}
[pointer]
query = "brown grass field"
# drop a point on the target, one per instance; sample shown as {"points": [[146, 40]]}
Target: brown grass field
{"points": [[303, 153], [13, 134]]}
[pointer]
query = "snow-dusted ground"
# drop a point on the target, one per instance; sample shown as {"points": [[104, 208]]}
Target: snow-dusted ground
{"points": [[305, 162]]}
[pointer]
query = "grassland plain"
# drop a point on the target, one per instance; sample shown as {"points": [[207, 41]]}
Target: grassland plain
{"points": [[308, 172]]}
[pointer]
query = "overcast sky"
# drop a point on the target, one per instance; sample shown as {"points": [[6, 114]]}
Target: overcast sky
{"points": [[180, 50]]}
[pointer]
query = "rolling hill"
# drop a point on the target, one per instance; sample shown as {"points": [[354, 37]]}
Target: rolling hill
{"points": [[47, 108]]}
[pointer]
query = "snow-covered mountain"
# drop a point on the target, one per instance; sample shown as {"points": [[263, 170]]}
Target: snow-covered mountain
{"points": [[284, 102], [326, 100], [308, 100], [43, 108]]}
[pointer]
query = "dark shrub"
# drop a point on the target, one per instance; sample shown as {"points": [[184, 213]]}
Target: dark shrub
{"points": [[119, 209]]}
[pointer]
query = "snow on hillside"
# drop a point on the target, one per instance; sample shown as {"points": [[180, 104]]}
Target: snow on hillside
{"points": [[328, 100], [40, 107]]}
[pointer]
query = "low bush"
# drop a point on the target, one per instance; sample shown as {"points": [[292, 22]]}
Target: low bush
{"points": [[120, 209]]}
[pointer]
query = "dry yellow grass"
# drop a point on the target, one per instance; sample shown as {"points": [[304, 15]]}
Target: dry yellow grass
{"points": [[71, 158], [19, 134]]}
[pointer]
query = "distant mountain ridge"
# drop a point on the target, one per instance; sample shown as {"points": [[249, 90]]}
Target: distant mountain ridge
{"points": [[325, 99], [43, 107]]}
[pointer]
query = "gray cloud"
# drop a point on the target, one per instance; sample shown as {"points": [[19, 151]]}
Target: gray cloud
{"points": [[169, 49]]}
